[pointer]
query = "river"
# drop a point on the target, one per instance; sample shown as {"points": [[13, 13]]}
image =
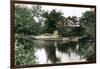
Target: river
{"points": [[59, 51]]}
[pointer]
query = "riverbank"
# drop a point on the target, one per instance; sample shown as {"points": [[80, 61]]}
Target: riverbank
{"points": [[42, 37]]}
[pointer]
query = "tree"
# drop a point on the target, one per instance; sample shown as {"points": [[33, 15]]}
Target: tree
{"points": [[52, 19], [66, 26], [87, 21], [74, 19], [37, 13], [24, 21], [25, 26]]}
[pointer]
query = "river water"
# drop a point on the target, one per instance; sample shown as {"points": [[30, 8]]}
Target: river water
{"points": [[59, 51]]}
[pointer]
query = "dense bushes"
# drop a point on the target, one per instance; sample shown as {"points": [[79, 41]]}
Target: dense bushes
{"points": [[25, 26]]}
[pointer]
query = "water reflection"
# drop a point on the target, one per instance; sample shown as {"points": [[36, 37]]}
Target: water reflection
{"points": [[55, 51]]}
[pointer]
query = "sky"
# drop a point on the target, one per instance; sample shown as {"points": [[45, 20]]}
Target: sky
{"points": [[67, 11]]}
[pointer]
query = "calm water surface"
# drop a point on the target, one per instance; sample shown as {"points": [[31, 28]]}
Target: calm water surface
{"points": [[58, 51]]}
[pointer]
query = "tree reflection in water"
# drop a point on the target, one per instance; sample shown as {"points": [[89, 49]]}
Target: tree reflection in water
{"points": [[58, 52], [51, 52]]}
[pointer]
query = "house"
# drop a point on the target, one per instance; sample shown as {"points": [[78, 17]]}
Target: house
{"points": [[71, 23], [68, 23]]}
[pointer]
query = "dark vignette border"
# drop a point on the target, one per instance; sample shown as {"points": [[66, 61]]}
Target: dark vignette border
{"points": [[12, 38]]}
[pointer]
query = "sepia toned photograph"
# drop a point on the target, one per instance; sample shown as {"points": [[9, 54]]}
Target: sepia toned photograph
{"points": [[53, 34]]}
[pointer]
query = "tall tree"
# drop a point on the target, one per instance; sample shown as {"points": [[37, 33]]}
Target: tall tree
{"points": [[87, 21], [52, 18], [37, 13], [25, 24], [24, 21]]}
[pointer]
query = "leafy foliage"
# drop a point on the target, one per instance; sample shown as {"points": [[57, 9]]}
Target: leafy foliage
{"points": [[25, 26], [52, 19], [24, 21], [87, 51], [24, 49], [87, 21]]}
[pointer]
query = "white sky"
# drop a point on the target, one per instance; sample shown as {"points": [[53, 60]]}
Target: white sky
{"points": [[67, 11]]}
